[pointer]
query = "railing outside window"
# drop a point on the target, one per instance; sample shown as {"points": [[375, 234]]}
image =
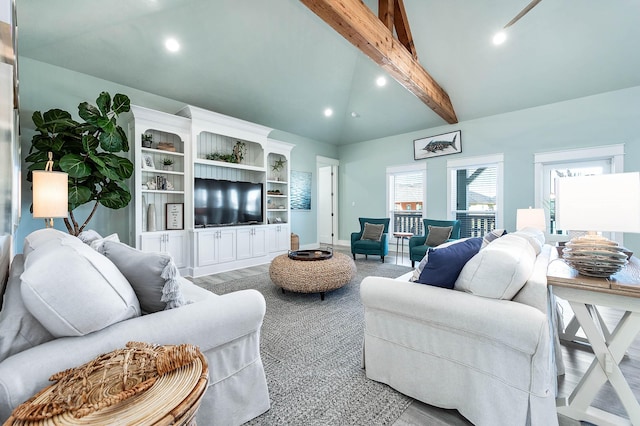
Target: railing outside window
{"points": [[475, 224], [407, 221]]}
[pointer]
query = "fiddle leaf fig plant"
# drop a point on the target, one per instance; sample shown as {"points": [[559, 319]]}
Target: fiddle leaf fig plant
{"points": [[88, 152]]}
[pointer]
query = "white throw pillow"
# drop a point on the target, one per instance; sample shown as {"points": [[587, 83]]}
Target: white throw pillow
{"points": [[534, 236], [72, 290], [41, 237], [499, 270]]}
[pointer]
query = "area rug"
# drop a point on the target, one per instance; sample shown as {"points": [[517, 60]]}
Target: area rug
{"points": [[312, 353]]}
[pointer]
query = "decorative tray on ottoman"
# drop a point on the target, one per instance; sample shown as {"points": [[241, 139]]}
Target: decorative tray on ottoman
{"points": [[310, 255]]}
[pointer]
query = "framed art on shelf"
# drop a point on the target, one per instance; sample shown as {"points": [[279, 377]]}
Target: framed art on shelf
{"points": [[147, 162], [434, 146], [175, 216]]}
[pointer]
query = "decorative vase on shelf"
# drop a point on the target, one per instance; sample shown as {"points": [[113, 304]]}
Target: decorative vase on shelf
{"points": [[151, 217]]}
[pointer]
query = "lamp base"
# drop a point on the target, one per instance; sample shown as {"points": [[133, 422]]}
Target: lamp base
{"points": [[594, 256]]}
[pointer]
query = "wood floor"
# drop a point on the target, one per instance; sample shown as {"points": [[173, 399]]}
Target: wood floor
{"points": [[577, 359]]}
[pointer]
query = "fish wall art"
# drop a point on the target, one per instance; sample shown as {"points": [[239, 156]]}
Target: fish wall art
{"points": [[433, 146]]}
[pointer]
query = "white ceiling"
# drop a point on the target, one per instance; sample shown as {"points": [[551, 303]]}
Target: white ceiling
{"points": [[277, 64]]}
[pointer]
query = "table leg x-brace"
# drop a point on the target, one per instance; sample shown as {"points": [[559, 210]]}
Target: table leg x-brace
{"points": [[609, 350]]}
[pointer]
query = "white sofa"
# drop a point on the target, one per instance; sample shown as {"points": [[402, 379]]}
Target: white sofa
{"points": [[490, 358], [225, 328]]}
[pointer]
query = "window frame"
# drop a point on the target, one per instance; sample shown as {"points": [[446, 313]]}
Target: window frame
{"points": [[494, 160], [405, 168], [613, 153]]}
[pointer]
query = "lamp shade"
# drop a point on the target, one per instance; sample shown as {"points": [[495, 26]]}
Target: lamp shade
{"points": [[608, 203], [531, 218], [50, 194]]}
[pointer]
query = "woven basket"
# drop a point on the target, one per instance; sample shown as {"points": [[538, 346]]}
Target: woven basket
{"points": [[173, 399]]}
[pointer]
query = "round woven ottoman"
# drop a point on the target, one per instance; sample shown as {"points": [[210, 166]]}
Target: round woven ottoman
{"points": [[317, 276]]}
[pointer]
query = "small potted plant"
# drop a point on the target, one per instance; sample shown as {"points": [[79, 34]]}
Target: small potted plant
{"points": [[147, 140], [167, 163]]}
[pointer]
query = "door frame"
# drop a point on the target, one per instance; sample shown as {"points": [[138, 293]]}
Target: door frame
{"points": [[334, 164]]}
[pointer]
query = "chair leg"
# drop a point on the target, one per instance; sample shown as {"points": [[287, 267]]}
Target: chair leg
{"points": [[382, 259], [413, 263], [354, 256]]}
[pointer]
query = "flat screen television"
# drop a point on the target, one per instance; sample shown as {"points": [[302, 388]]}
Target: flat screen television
{"points": [[224, 202]]}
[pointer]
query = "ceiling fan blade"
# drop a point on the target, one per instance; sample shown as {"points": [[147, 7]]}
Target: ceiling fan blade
{"points": [[522, 13]]}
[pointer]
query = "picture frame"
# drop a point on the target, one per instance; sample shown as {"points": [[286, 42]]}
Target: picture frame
{"points": [[437, 145], [147, 162], [300, 190], [174, 213]]}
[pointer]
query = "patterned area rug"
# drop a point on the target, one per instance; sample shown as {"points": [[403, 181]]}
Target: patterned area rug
{"points": [[312, 352]]}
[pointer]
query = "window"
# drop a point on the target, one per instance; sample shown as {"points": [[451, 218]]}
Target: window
{"points": [[475, 193], [406, 197], [578, 162]]}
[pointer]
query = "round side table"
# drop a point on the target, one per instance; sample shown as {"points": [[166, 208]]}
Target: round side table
{"points": [[400, 236]]}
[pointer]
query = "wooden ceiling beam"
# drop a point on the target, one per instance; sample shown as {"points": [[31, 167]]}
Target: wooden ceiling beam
{"points": [[386, 13], [403, 30], [361, 27]]}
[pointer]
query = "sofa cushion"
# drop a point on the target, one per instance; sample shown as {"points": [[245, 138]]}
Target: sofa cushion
{"points": [[153, 276], [72, 290], [534, 236], [19, 330], [372, 231], [438, 235], [444, 264], [500, 270], [492, 236], [41, 237]]}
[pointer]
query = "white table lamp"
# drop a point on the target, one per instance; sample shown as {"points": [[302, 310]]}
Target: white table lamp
{"points": [[530, 218], [600, 203], [50, 193]]}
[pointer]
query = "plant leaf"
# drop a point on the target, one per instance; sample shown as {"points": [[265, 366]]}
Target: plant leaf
{"points": [[78, 195], [104, 103], [57, 120], [121, 103], [38, 120], [89, 113], [90, 143], [110, 142], [74, 165], [123, 136], [114, 197]]}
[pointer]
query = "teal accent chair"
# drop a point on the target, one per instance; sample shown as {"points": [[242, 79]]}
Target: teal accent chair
{"points": [[367, 247], [417, 247]]}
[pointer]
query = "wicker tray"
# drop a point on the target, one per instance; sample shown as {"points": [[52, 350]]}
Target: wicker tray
{"points": [[173, 399]]}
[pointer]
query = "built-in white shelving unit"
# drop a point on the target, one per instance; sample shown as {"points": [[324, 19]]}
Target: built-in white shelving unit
{"points": [[221, 248]]}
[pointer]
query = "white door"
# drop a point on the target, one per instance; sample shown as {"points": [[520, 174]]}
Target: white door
{"points": [[327, 200], [226, 245]]}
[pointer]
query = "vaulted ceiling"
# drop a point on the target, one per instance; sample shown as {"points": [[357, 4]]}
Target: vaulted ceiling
{"points": [[277, 64]]}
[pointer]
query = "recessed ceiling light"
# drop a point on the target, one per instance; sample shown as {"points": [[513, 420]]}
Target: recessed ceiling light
{"points": [[172, 45], [328, 112], [499, 38], [354, 114], [381, 81]]}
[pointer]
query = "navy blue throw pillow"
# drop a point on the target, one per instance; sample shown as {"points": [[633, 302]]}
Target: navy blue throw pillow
{"points": [[444, 264]]}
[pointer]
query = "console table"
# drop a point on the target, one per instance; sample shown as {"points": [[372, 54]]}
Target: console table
{"points": [[620, 291]]}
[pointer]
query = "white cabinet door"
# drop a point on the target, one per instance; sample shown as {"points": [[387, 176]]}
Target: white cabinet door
{"points": [[279, 238], [172, 243], [175, 245], [259, 242], [252, 242], [243, 241], [226, 245], [206, 246]]}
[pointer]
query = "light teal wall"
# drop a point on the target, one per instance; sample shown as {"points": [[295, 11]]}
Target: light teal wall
{"points": [[303, 159], [609, 118]]}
